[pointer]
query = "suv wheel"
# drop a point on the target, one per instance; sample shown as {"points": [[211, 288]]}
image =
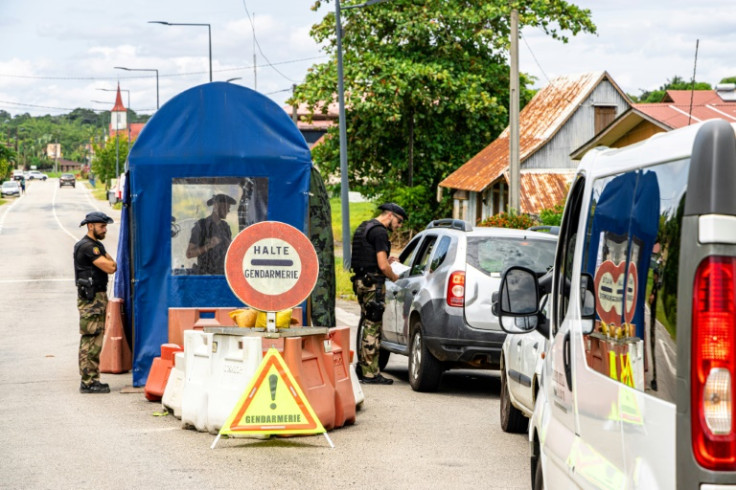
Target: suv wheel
{"points": [[512, 420], [424, 370], [383, 355]]}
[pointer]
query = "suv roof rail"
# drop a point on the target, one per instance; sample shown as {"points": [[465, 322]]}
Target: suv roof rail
{"points": [[552, 230], [455, 224]]}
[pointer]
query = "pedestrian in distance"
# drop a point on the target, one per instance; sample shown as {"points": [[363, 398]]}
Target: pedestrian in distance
{"points": [[22, 185], [211, 236], [92, 264], [371, 264]]}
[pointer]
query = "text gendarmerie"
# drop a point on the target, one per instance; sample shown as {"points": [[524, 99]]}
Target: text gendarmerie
{"points": [[273, 419], [270, 274]]}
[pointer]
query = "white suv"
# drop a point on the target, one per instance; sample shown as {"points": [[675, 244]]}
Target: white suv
{"points": [[439, 310]]}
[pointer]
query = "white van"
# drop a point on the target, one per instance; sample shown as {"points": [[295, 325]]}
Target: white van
{"points": [[638, 385]]}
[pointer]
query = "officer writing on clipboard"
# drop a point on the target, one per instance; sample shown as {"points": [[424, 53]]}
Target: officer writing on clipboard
{"points": [[371, 263]]}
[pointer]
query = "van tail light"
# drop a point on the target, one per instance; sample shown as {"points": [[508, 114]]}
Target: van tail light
{"points": [[456, 289], [713, 370]]}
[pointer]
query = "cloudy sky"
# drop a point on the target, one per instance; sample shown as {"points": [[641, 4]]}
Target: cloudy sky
{"points": [[58, 55]]}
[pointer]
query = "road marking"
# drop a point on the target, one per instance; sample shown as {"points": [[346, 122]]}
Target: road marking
{"points": [[19, 281], [7, 211], [56, 217], [666, 357]]}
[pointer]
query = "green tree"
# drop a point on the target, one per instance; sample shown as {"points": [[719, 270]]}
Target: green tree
{"points": [[676, 83], [7, 158], [104, 162], [426, 88]]}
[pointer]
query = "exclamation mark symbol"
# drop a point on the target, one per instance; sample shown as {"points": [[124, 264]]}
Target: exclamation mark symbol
{"points": [[272, 381]]}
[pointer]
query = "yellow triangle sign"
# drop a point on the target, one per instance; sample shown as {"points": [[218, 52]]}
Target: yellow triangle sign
{"points": [[273, 403]]}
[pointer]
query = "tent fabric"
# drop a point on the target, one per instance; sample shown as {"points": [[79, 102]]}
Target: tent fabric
{"points": [[217, 130], [121, 284]]}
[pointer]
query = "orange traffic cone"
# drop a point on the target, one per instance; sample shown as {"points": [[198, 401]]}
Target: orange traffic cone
{"points": [[115, 356]]}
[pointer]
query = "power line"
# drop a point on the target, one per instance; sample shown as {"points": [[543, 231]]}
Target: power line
{"points": [[173, 75], [259, 46], [535, 58]]}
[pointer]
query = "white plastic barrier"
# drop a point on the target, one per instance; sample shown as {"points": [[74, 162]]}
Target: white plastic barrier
{"points": [[175, 385], [357, 390], [235, 360], [198, 370]]}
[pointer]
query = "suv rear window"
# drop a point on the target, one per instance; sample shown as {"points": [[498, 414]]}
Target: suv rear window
{"points": [[494, 255]]}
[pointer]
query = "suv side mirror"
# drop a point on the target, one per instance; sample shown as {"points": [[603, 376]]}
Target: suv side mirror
{"points": [[587, 300], [517, 301]]}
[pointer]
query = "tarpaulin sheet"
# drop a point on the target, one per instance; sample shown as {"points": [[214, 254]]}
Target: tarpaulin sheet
{"points": [[217, 138]]}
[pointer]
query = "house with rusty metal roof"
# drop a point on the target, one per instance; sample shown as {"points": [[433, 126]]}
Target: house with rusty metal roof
{"points": [[560, 118], [679, 108]]}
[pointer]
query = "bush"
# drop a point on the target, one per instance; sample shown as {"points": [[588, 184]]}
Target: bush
{"points": [[510, 220], [552, 216]]}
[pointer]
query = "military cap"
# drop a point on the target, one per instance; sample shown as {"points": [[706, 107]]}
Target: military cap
{"points": [[96, 217], [220, 198], [394, 208]]}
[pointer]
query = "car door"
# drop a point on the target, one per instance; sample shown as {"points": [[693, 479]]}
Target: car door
{"points": [[392, 317], [412, 285]]}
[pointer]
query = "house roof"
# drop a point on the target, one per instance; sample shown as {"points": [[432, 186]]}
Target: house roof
{"points": [[317, 120], [674, 110], [539, 121], [543, 189], [672, 113]]}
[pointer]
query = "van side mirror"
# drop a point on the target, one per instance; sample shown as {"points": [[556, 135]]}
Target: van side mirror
{"points": [[587, 300], [517, 301]]}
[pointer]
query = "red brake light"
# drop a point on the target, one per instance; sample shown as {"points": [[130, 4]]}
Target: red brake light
{"points": [[456, 289], [713, 371]]}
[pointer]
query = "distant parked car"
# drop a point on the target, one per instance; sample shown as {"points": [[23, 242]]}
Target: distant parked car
{"points": [[67, 179], [439, 310], [35, 174], [10, 188]]}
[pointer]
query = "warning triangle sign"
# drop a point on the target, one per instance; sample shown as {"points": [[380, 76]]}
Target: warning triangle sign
{"points": [[273, 403]]}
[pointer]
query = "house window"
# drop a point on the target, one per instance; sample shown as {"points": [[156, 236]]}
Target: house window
{"points": [[604, 115]]}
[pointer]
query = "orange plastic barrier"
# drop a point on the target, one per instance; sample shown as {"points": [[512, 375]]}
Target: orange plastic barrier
{"points": [[340, 357], [158, 376], [115, 356], [181, 319], [304, 358]]}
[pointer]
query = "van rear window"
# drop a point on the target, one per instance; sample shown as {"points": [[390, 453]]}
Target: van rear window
{"points": [[632, 251]]}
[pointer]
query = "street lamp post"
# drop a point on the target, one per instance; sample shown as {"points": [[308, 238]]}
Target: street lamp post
{"points": [[143, 69], [346, 252], [209, 34]]}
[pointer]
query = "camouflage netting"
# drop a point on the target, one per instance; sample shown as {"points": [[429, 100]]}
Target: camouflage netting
{"points": [[322, 299]]}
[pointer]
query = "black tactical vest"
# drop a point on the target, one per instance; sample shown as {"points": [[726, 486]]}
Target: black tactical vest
{"points": [[364, 254]]}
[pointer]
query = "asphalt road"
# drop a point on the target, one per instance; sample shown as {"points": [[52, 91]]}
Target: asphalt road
{"points": [[51, 436]]}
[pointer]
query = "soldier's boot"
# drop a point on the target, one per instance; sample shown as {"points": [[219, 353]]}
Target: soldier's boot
{"points": [[94, 387]]}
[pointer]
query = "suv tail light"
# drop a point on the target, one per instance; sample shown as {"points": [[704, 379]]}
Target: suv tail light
{"points": [[456, 289], [713, 370]]}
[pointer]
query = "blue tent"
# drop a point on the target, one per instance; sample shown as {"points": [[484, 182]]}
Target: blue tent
{"points": [[217, 142]]}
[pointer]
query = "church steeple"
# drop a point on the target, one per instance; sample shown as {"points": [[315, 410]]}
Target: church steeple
{"points": [[118, 114]]}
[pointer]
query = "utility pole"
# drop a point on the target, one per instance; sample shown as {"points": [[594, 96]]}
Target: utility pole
{"points": [[514, 164], [255, 75]]}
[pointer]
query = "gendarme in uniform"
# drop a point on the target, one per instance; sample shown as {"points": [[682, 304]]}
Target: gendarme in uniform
{"points": [[370, 262], [92, 264]]}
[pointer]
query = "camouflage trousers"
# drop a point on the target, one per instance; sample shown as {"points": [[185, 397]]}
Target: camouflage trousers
{"points": [[92, 330], [370, 341]]}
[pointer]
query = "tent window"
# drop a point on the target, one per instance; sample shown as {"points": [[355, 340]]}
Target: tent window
{"points": [[206, 214]]}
